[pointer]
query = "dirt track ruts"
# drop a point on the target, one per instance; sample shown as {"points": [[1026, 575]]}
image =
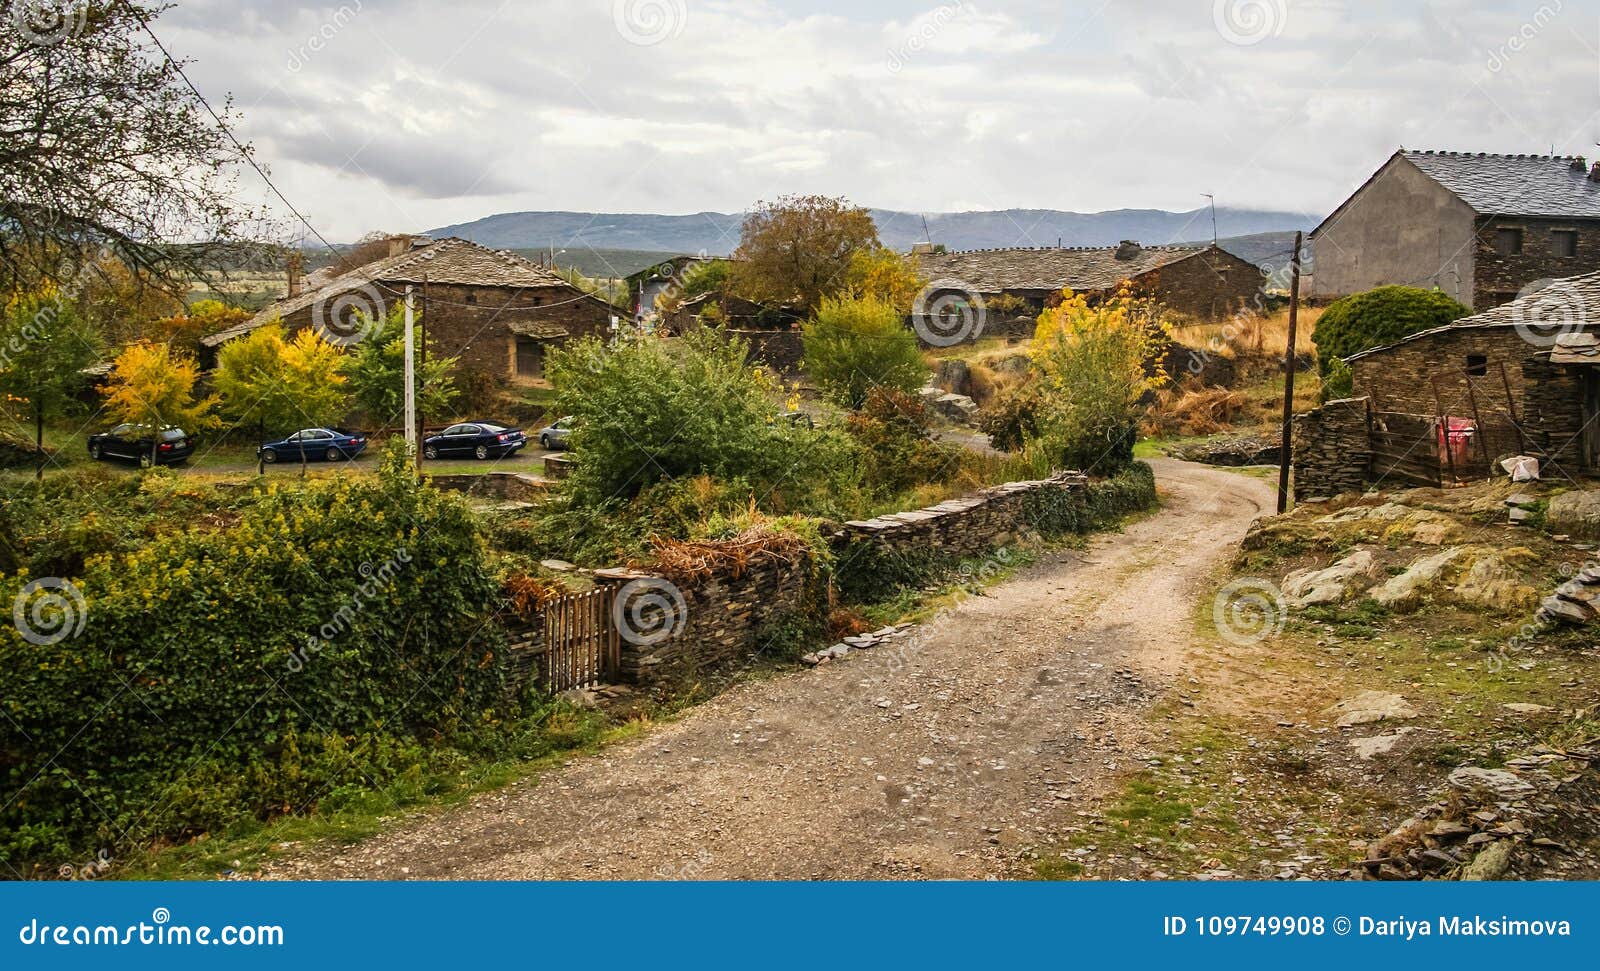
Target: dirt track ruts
{"points": [[945, 756]]}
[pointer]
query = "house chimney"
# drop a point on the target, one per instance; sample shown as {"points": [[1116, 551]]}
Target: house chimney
{"points": [[1128, 249], [399, 244], [296, 271], [1578, 164], [1594, 173]]}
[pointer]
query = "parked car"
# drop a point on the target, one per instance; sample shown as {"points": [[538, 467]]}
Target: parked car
{"points": [[556, 435], [138, 443], [329, 444], [474, 439]]}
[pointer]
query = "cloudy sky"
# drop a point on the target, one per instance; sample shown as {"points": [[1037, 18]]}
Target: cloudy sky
{"points": [[405, 114]]}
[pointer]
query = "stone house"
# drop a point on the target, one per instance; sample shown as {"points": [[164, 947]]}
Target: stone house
{"points": [[496, 311], [1524, 376], [656, 279], [1203, 282], [1482, 228]]}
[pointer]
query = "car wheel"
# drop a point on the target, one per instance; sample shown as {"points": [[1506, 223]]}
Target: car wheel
{"points": [[145, 461], [482, 451], [544, 442], [333, 455], [94, 451], [269, 456], [430, 453]]}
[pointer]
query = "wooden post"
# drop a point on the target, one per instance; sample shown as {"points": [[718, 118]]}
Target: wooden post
{"points": [[1482, 433], [422, 360], [1511, 410], [1444, 428], [1285, 456], [409, 392]]}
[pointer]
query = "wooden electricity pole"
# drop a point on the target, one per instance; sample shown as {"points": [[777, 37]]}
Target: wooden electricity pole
{"points": [[1285, 455], [422, 369], [410, 373]]}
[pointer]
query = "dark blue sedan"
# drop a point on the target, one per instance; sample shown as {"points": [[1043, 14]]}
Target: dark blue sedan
{"points": [[474, 439], [329, 444]]}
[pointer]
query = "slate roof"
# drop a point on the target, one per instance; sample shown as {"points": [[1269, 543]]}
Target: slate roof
{"points": [[1514, 185], [1077, 268], [450, 261], [1559, 308]]}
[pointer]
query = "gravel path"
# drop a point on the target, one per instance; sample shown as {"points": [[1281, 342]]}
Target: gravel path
{"points": [[945, 756]]}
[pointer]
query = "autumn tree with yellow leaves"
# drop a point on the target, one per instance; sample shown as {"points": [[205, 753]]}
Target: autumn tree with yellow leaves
{"points": [[153, 386], [1096, 362]]}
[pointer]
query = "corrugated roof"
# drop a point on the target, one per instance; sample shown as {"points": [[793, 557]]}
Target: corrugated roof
{"points": [[1548, 314], [449, 261], [1080, 268], [1514, 185]]}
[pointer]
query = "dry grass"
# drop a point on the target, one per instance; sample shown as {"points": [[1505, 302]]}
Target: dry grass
{"points": [[1195, 409], [1252, 336]]}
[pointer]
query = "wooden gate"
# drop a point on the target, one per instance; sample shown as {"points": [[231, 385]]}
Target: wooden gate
{"points": [[1405, 448], [582, 647]]}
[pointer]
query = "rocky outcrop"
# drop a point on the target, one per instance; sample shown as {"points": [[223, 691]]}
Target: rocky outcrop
{"points": [[1575, 602], [1407, 590], [1575, 513], [1309, 588]]}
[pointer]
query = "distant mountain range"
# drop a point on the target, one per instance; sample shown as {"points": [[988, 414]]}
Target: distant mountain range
{"points": [[717, 233]]}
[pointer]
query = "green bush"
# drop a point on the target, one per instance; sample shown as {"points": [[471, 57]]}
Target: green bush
{"points": [[222, 675], [649, 409], [1338, 381], [856, 344], [1013, 418], [1366, 320]]}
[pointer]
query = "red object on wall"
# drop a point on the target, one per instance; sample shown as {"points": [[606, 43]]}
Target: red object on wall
{"points": [[1455, 440]]}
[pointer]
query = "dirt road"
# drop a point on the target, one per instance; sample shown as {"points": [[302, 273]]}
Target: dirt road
{"points": [[947, 756]]}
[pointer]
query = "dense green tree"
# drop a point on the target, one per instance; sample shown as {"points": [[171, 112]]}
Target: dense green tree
{"points": [[44, 347]]}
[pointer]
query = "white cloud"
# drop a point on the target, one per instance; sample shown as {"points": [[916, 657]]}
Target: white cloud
{"points": [[410, 115]]}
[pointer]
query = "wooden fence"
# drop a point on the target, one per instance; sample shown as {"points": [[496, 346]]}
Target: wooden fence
{"points": [[1405, 448], [582, 646]]}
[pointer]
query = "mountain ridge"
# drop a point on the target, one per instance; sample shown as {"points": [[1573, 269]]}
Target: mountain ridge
{"points": [[716, 234]]}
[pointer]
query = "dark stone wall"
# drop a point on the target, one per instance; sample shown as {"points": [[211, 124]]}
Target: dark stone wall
{"points": [[1499, 278], [1402, 377], [1208, 287], [780, 350], [1553, 415], [1332, 449]]}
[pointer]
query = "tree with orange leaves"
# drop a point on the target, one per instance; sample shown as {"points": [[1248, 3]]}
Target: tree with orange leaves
{"points": [[152, 386]]}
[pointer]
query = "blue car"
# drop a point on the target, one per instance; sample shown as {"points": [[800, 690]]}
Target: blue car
{"points": [[312, 444], [474, 439]]}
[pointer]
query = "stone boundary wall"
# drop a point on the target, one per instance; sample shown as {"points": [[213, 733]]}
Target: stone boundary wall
{"points": [[965, 527], [1332, 449], [726, 618]]}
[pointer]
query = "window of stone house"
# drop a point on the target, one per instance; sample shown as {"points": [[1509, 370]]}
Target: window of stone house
{"points": [[1508, 242], [472, 298], [1477, 365], [1563, 242], [530, 357]]}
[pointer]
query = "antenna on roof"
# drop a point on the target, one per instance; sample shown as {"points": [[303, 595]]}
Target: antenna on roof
{"points": [[1213, 216], [925, 234]]}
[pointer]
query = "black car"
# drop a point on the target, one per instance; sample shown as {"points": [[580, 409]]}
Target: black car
{"points": [[137, 443], [311, 444], [474, 439]]}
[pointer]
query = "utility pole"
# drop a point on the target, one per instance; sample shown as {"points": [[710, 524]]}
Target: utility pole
{"points": [[1214, 217], [410, 374], [1285, 455], [422, 367]]}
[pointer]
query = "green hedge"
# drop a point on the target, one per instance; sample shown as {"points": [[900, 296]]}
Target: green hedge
{"points": [[1377, 317], [248, 671]]}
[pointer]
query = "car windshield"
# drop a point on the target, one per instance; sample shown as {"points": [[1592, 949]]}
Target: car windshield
{"points": [[493, 428]]}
